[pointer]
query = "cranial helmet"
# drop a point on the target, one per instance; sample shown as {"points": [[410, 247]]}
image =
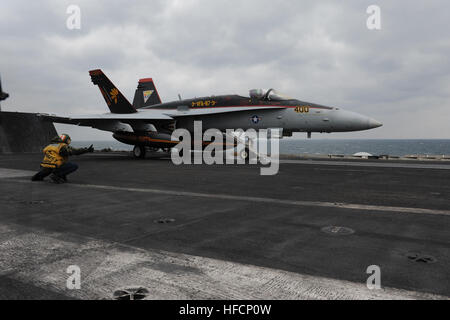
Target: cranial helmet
{"points": [[65, 138]]}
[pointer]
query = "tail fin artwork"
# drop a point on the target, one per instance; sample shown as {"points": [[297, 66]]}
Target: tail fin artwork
{"points": [[115, 100], [146, 94]]}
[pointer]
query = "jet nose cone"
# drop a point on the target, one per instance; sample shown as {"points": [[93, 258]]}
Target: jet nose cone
{"points": [[374, 123]]}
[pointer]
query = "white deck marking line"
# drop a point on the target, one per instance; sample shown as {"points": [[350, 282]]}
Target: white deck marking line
{"points": [[371, 164], [354, 206], [13, 173], [272, 200]]}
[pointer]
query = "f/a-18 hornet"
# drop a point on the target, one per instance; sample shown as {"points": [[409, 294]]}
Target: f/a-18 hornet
{"points": [[148, 123]]}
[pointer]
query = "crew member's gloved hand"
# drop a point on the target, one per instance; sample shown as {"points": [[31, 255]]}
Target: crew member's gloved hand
{"points": [[91, 148]]}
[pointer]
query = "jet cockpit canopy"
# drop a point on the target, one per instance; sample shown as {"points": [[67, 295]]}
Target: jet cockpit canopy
{"points": [[268, 94]]}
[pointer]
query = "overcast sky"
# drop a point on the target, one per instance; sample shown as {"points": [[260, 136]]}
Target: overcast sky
{"points": [[316, 51]]}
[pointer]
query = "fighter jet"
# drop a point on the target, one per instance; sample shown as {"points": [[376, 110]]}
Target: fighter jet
{"points": [[148, 122]]}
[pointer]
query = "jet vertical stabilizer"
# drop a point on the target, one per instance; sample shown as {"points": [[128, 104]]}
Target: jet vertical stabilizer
{"points": [[146, 94], [115, 100]]}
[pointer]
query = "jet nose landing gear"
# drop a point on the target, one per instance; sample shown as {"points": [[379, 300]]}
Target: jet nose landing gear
{"points": [[139, 152], [245, 154]]}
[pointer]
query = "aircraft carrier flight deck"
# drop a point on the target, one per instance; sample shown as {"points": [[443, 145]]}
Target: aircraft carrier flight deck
{"points": [[224, 231]]}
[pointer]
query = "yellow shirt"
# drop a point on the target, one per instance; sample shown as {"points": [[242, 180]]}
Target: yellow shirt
{"points": [[52, 158]]}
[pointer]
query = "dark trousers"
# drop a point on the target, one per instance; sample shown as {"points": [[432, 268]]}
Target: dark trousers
{"points": [[62, 172], [65, 169], [42, 174]]}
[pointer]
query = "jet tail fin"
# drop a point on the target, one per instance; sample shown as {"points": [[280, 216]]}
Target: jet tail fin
{"points": [[146, 94], [115, 100]]}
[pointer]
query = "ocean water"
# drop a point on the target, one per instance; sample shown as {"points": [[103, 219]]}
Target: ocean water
{"points": [[326, 146], [372, 146]]}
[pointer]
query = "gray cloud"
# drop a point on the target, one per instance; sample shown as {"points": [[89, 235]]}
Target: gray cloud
{"points": [[319, 51]]}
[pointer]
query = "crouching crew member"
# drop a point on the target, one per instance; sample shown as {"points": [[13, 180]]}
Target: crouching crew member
{"points": [[56, 156]]}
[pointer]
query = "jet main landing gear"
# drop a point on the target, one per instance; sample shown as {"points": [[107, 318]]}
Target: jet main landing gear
{"points": [[139, 152]]}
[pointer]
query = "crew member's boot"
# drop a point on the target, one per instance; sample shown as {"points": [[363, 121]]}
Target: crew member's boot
{"points": [[56, 179]]}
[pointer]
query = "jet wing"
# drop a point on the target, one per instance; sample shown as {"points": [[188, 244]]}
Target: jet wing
{"points": [[57, 119], [138, 121], [147, 115], [145, 119]]}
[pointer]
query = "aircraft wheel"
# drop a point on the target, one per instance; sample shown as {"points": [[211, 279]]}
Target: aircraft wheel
{"points": [[139, 152], [245, 154]]}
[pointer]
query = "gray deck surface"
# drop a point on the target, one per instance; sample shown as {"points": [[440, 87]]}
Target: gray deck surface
{"points": [[226, 213]]}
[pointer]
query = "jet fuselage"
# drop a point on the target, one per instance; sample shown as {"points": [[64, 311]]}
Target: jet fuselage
{"points": [[292, 115]]}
